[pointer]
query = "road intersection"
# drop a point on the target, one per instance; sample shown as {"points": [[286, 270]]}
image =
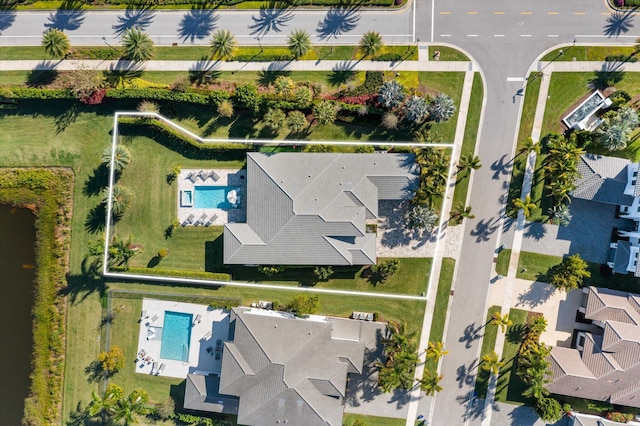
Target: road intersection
{"points": [[503, 38]]}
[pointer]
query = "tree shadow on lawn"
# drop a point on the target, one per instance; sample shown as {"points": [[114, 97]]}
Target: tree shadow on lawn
{"points": [[96, 218], [266, 78], [80, 286], [96, 183], [80, 417], [516, 333]]}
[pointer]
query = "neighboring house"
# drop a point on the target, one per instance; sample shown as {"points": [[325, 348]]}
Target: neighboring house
{"points": [[311, 208], [606, 366], [611, 180], [278, 368]]}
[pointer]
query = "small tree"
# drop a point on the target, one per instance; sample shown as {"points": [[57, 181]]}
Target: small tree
{"points": [[430, 383], [225, 109], [299, 43], [416, 109], [284, 86], [529, 146], [468, 163], [569, 274], [55, 43], [491, 362], [296, 121], [421, 218], [248, 97], [549, 409], [274, 119], [501, 321], [442, 108], [526, 205], [223, 45], [436, 350], [391, 94], [325, 112], [121, 198], [304, 305], [371, 44], [111, 361], [459, 213], [122, 157], [137, 45], [383, 271], [323, 273], [302, 96], [390, 120]]}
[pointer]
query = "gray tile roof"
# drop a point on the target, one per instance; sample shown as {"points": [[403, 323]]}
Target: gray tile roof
{"points": [[608, 368], [287, 368], [311, 208], [621, 258], [202, 394], [603, 179]]}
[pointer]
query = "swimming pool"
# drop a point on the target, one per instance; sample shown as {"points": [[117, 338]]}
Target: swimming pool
{"points": [[176, 336], [212, 197]]}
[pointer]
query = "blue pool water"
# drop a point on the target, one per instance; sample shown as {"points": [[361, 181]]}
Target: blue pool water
{"points": [[212, 197], [176, 335]]}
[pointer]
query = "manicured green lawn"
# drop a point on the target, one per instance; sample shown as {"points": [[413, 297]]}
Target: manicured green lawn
{"points": [[533, 266], [587, 53], [194, 53], [348, 420], [488, 346], [509, 387], [439, 318], [447, 53], [524, 132], [450, 83], [502, 263], [470, 138]]}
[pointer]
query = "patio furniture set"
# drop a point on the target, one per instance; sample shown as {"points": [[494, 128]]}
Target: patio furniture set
{"points": [[146, 359], [363, 316], [203, 176], [217, 351], [204, 219]]}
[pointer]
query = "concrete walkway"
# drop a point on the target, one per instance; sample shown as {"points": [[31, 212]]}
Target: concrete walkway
{"points": [[319, 65]]}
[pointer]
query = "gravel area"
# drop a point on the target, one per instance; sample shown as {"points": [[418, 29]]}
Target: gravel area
{"points": [[395, 240]]}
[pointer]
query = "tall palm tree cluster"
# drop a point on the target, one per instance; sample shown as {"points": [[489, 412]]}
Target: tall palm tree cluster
{"points": [[415, 109], [561, 167], [616, 129], [434, 171], [114, 407], [401, 350], [533, 368], [121, 196]]}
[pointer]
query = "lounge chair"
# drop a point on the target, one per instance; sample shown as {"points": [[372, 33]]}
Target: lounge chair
{"points": [[188, 220], [202, 175], [154, 366], [201, 220], [153, 318], [213, 175], [211, 220], [198, 319], [207, 335], [160, 370], [192, 177], [143, 315]]}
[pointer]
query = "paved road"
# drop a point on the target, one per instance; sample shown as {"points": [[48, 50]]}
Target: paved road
{"points": [[265, 26]]}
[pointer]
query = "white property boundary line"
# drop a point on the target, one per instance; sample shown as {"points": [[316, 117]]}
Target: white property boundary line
{"points": [[163, 279]]}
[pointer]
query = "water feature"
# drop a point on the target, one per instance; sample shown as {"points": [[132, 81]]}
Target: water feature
{"points": [[17, 236]]}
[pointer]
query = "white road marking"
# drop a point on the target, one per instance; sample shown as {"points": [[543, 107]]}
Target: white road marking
{"points": [[498, 35], [515, 78], [445, 35], [552, 35], [472, 35], [525, 35]]}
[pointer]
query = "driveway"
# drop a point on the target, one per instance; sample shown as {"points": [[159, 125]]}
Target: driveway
{"points": [[588, 234]]}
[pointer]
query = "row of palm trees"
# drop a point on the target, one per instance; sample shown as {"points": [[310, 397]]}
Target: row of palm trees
{"points": [[138, 46]]}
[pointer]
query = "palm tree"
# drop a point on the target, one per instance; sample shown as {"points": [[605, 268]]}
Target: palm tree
{"points": [[436, 350], [296, 121], [120, 199], [223, 45], [325, 112], [430, 383], [274, 119], [121, 159], [526, 205], [137, 45], [461, 212], [501, 321], [468, 163], [127, 409], [105, 406], [371, 44], [55, 43], [536, 390], [529, 146], [299, 43], [491, 362]]}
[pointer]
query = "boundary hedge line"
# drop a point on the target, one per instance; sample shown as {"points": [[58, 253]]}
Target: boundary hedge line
{"points": [[48, 192], [217, 276]]}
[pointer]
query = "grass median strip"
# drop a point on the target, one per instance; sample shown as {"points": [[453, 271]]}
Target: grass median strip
{"points": [[509, 387]]}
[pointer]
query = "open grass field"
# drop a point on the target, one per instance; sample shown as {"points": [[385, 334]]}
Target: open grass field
{"points": [[488, 346], [509, 387], [470, 138]]}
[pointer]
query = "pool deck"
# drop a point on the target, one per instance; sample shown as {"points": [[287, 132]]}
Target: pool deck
{"points": [[213, 325], [188, 179]]}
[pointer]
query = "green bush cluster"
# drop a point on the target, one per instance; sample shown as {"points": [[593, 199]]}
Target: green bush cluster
{"points": [[36, 93], [212, 97], [290, 3], [94, 53], [215, 276], [49, 190]]}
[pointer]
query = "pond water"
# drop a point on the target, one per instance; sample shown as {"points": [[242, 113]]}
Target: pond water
{"points": [[17, 237]]}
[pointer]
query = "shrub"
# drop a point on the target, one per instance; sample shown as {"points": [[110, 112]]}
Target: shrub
{"points": [[319, 148], [95, 98], [442, 108], [36, 93], [325, 112], [274, 119], [166, 409], [111, 361], [166, 95], [616, 416], [163, 252], [599, 406], [270, 270], [225, 108], [323, 272], [391, 94], [213, 276], [247, 96], [416, 109], [297, 121], [302, 97], [148, 106], [304, 305], [368, 149], [390, 120]]}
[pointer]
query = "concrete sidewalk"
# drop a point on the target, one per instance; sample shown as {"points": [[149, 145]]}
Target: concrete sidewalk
{"points": [[319, 65]]}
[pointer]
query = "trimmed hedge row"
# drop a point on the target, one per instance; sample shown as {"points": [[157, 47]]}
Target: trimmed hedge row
{"points": [[49, 191], [216, 276], [214, 97], [290, 3]]}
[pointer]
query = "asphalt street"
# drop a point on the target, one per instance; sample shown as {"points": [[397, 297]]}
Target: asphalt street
{"points": [[503, 37]]}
